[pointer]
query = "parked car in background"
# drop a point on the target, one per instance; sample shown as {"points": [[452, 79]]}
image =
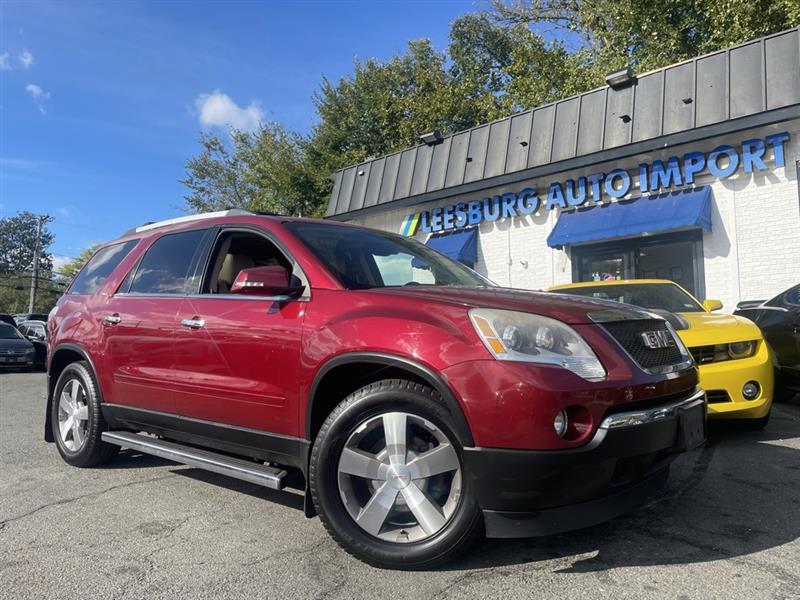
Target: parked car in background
{"points": [[733, 359], [8, 319], [36, 332], [16, 352], [779, 320], [20, 317], [421, 404]]}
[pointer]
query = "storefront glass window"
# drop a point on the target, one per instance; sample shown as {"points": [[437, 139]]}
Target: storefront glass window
{"points": [[676, 257]]}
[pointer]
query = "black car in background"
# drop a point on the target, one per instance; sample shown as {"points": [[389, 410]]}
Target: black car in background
{"points": [[36, 332], [15, 350], [779, 320]]}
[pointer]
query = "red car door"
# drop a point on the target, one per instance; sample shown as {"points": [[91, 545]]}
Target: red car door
{"points": [[138, 333], [238, 357], [139, 324]]}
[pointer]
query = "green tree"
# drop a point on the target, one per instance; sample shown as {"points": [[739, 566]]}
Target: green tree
{"points": [[260, 171], [385, 106], [646, 34], [17, 243]]}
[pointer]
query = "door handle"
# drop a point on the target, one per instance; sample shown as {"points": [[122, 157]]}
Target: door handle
{"points": [[112, 319], [193, 323]]}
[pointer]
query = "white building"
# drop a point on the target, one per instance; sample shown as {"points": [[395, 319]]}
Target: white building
{"points": [[690, 174]]}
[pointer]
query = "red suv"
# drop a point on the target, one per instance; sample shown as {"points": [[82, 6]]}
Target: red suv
{"points": [[422, 405]]}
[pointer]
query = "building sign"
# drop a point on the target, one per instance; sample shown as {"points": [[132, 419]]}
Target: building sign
{"points": [[722, 162]]}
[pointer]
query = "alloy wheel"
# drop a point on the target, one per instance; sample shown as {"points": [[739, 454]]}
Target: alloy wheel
{"points": [[399, 477], [73, 415]]}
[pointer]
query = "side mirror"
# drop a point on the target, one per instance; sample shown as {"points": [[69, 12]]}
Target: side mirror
{"points": [[266, 281], [712, 305]]}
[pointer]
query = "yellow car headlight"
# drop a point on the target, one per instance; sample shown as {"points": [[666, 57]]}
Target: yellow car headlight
{"points": [[738, 350]]}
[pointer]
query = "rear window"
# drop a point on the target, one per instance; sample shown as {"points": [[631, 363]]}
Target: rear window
{"points": [[164, 269], [99, 267]]}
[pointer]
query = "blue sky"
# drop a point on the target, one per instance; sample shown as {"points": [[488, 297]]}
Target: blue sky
{"points": [[101, 103]]}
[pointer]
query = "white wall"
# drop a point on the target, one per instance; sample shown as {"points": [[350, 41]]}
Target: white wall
{"points": [[752, 252]]}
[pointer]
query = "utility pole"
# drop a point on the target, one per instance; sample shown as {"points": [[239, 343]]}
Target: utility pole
{"points": [[36, 248]]}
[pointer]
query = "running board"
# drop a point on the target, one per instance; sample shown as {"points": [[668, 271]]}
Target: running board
{"points": [[237, 468]]}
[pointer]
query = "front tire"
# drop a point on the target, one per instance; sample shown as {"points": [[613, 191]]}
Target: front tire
{"points": [[386, 477], [76, 419]]}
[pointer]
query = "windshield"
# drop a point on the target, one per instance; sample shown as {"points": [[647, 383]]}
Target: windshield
{"points": [[7, 332], [658, 296], [365, 258]]}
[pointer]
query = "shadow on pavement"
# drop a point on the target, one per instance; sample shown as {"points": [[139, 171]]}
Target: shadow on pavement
{"points": [[290, 497]]}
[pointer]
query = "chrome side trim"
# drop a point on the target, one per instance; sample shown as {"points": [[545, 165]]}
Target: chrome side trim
{"points": [[253, 298], [237, 468], [656, 413]]}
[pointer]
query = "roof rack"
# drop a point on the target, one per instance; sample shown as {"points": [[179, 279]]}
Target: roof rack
{"points": [[233, 212]]}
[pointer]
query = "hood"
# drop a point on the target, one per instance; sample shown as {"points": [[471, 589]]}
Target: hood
{"points": [[563, 307], [14, 344], [714, 328]]}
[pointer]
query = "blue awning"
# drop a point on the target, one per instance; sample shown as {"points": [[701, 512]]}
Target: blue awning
{"points": [[644, 215], [460, 244]]}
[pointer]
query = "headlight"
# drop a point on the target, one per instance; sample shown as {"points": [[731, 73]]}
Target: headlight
{"points": [[524, 337], [741, 349], [30, 351]]}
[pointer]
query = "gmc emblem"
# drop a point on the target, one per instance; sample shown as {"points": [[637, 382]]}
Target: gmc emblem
{"points": [[657, 339]]}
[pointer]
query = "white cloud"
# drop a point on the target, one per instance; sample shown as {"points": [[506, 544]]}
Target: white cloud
{"points": [[40, 97], [25, 59], [5, 62], [217, 109], [59, 262]]}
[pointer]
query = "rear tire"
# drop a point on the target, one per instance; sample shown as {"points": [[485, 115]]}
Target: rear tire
{"points": [[76, 419], [387, 478]]}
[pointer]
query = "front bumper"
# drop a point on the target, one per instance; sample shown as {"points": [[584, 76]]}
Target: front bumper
{"points": [[17, 362], [724, 381], [527, 493]]}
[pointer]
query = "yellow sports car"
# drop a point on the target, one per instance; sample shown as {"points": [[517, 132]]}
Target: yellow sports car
{"points": [[734, 361]]}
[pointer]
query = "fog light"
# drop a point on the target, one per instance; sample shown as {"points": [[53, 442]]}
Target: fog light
{"points": [[751, 390], [560, 423]]}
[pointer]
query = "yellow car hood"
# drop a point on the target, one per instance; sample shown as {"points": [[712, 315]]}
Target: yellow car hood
{"points": [[710, 328]]}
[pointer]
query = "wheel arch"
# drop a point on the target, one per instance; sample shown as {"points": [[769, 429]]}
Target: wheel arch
{"points": [[378, 365], [64, 354]]}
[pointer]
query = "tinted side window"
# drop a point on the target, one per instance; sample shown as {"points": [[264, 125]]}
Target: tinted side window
{"points": [[99, 267], [164, 268], [793, 296]]}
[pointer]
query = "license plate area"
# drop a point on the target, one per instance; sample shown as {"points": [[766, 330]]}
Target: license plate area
{"points": [[692, 426]]}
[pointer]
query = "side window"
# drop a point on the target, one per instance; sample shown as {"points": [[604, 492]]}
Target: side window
{"points": [[23, 329], [99, 267], [164, 267], [237, 250], [793, 297]]}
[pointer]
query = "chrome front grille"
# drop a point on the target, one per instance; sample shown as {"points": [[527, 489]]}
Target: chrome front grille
{"points": [[633, 337]]}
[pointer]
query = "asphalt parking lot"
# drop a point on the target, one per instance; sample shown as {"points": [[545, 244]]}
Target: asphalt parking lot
{"points": [[726, 527]]}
